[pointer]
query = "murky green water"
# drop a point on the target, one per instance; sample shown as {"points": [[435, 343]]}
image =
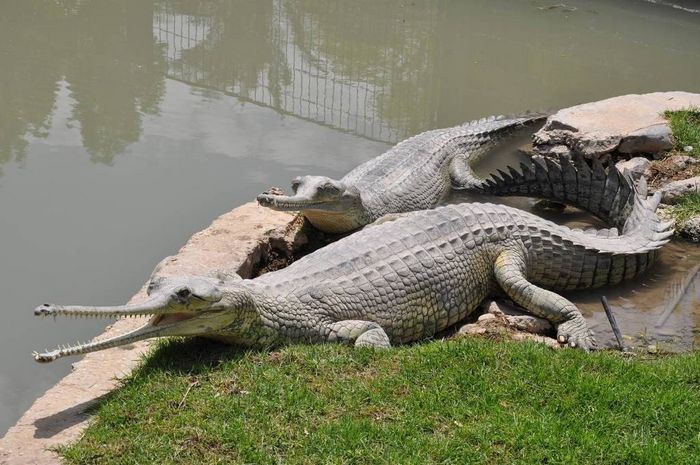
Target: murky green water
{"points": [[128, 125]]}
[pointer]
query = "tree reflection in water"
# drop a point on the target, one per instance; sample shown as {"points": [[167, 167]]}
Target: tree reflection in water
{"points": [[329, 62], [105, 52]]}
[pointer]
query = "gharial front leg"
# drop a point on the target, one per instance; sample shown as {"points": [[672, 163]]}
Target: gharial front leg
{"points": [[362, 333], [572, 328]]}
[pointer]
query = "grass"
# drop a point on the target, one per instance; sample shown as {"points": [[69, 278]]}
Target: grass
{"points": [[686, 208], [685, 126], [461, 401]]}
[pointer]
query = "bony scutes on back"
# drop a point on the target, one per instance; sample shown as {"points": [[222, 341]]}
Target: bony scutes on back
{"points": [[415, 174], [386, 284], [374, 287]]}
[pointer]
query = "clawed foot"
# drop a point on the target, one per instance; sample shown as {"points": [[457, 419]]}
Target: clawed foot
{"points": [[375, 338], [575, 333]]}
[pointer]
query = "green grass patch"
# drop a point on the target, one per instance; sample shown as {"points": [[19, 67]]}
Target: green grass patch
{"points": [[685, 126], [462, 401], [686, 208]]}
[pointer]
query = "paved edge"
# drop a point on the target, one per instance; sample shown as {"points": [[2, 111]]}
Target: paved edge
{"points": [[234, 242]]}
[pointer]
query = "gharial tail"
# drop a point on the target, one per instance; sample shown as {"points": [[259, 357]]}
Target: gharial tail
{"points": [[586, 184], [485, 134], [643, 223], [643, 234], [632, 244]]}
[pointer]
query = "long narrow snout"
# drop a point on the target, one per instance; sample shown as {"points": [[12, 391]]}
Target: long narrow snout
{"points": [[145, 332], [286, 202], [150, 307], [165, 321]]}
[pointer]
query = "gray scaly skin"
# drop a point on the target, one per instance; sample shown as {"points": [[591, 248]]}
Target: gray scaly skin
{"points": [[583, 183], [398, 281], [415, 174]]}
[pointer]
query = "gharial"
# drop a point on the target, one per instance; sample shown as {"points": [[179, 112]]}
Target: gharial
{"points": [[402, 279], [417, 173]]}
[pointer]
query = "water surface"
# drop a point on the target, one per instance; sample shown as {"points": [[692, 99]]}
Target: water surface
{"points": [[128, 125]]}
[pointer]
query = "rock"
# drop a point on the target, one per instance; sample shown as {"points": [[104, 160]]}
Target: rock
{"points": [[516, 318], [500, 308], [652, 139], [688, 148], [629, 123], [486, 317], [472, 329], [496, 327], [530, 324], [501, 315], [637, 166], [672, 191], [553, 150], [681, 162], [690, 229]]}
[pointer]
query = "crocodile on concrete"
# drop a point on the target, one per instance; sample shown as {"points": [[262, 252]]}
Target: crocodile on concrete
{"points": [[417, 173], [398, 281]]}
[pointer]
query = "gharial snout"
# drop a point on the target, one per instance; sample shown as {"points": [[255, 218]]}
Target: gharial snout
{"points": [[266, 200], [272, 197], [287, 203], [45, 310]]}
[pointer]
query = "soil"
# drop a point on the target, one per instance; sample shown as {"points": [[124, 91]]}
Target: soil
{"points": [[664, 170]]}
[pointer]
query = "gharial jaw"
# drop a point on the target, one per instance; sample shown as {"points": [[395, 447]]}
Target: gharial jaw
{"points": [[317, 193], [291, 203], [189, 307]]}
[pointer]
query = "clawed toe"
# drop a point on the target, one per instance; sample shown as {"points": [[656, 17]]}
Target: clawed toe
{"points": [[582, 339]]}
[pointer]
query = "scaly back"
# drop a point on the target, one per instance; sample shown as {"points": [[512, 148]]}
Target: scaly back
{"points": [[416, 171]]}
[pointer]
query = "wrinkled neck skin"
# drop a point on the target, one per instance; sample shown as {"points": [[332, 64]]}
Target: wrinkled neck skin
{"points": [[252, 325]]}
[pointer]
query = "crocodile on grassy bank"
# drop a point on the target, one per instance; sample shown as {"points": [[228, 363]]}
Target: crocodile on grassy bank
{"points": [[416, 174], [406, 278]]}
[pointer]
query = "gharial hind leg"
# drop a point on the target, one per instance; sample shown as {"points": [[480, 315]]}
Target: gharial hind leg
{"points": [[362, 333], [571, 326], [461, 174]]}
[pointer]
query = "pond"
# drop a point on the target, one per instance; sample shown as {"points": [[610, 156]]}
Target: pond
{"points": [[128, 126]]}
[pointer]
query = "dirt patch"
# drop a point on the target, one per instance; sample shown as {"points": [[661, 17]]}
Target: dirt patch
{"points": [[674, 167], [278, 254]]}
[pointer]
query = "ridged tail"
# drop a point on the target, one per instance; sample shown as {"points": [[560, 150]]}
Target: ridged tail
{"points": [[597, 258], [643, 222], [643, 234], [487, 132], [586, 184]]}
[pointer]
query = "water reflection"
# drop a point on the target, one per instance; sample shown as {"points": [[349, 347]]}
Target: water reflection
{"points": [[106, 54], [115, 73], [382, 70], [28, 82]]}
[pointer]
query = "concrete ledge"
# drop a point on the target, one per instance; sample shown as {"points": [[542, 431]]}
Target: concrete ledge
{"points": [[236, 242]]}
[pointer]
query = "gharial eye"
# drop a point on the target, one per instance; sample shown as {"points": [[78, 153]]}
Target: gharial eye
{"points": [[328, 187], [183, 293], [295, 184]]}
